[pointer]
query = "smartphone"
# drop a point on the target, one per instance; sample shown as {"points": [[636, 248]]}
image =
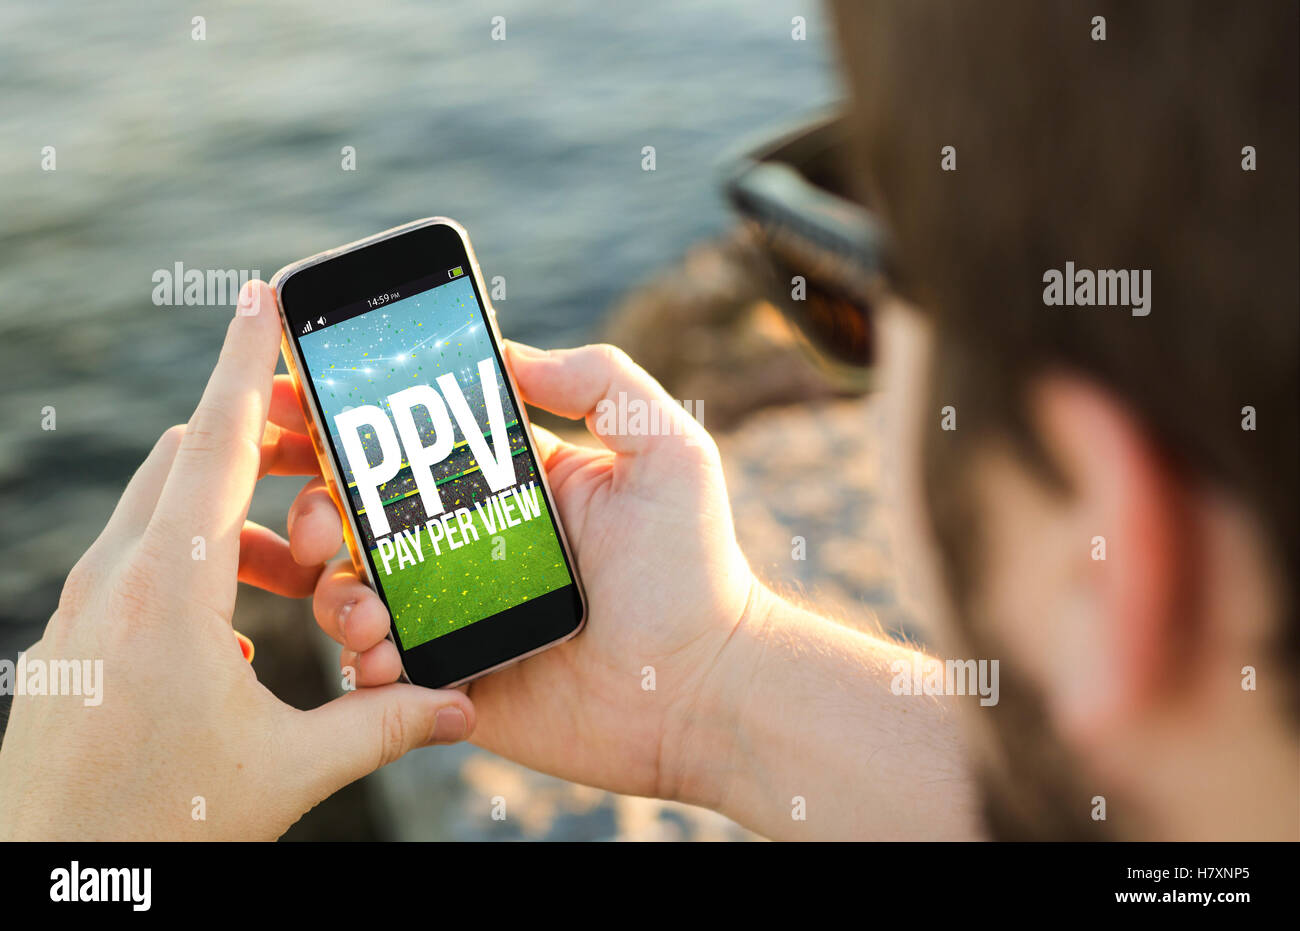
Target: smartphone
{"points": [[426, 450]]}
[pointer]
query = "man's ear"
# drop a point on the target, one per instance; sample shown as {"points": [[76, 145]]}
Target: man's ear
{"points": [[1121, 615]]}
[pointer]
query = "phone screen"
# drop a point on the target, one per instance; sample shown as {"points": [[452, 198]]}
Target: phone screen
{"points": [[442, 483]]}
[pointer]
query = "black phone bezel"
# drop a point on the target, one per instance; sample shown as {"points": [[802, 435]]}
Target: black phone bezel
{"points": [[355, 275]]}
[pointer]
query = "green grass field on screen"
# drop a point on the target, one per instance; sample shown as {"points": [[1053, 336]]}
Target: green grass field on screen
{"points": [[451, 591]]}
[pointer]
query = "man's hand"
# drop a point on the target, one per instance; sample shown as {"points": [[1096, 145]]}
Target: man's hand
{"points": [[184, 728], [755, 703], [650, 525]]}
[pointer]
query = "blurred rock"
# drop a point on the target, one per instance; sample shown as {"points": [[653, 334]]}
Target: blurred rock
{"points": [[705, 330], [799, 451]]}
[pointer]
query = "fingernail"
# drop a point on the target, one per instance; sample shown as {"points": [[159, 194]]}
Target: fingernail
{"points": [[528, 352], [249, 300], [245, 646], [344, 613], [449, 726]]}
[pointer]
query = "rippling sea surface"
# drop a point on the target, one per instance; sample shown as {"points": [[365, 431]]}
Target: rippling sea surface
{"points": [[226, 154]]}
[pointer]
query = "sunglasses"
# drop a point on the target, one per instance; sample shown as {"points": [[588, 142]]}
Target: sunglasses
{"points": [[822, 253]]}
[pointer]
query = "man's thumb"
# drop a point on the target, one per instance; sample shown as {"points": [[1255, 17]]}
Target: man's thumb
{"points": [[355, 734]]}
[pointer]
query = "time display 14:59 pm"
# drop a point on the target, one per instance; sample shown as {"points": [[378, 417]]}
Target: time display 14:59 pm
{"points": [[382, 299]]}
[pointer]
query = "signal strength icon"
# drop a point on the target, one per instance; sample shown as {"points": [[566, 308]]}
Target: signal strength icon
{"points": [[306, 328]]}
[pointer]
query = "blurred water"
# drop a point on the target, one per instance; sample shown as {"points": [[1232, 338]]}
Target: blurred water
{"points": [[225, 153]]}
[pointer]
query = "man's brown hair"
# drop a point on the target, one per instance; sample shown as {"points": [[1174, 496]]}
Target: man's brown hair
{"points": [[1122, 153]]}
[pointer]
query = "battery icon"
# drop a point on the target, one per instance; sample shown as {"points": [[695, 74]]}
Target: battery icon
{"points": [[456, 272]]}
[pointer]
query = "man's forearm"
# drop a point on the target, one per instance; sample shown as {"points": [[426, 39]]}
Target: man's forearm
{"points": [[797, 735]]}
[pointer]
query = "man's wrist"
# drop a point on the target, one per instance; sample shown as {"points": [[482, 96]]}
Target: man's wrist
{"points": [[797, 706], [704, 762]]}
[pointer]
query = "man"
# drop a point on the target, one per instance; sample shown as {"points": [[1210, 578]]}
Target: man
{"points": [[1112, 518]]}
